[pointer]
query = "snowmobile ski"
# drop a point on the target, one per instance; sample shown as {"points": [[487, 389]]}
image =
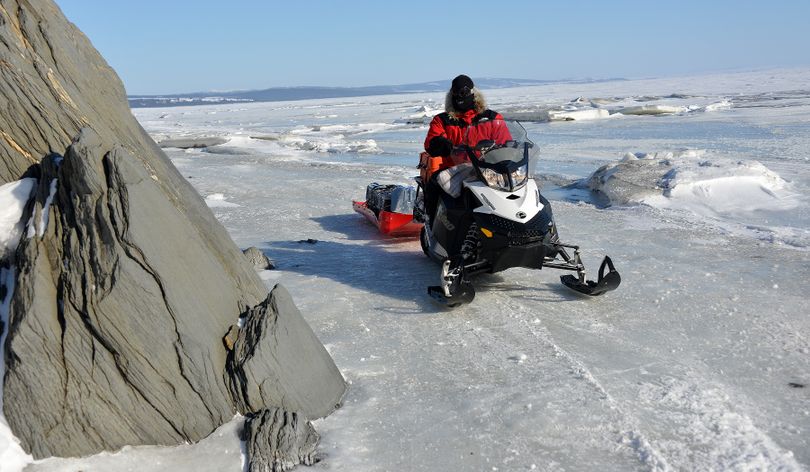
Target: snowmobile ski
{"points": [[605, 283], [455, 289]]}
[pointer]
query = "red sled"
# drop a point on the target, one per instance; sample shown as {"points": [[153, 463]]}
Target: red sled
{"points": [[389, 223]]}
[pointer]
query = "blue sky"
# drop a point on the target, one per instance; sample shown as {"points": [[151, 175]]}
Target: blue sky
{"points": [[172, 46]]}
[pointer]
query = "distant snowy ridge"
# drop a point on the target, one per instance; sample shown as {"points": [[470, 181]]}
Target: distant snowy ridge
{"points": [[276, 94]]}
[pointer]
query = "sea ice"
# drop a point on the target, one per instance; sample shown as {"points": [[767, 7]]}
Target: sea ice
{"points": [[217, 200], [674, 370], [578, 115], [652, 110]]}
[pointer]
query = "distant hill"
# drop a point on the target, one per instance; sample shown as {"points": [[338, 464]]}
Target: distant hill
{"points": [[277, 94]]}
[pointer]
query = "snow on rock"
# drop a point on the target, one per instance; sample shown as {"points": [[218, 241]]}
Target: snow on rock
{"points": [[35, 229], [13, 197], [689, 180], [12, 456]]}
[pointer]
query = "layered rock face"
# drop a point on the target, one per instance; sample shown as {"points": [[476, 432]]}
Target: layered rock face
{"points": [[292, 441], [265, 367], [126, 284]]}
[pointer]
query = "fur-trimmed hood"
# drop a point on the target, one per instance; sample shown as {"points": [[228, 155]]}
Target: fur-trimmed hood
{"points": [[480, 103]]}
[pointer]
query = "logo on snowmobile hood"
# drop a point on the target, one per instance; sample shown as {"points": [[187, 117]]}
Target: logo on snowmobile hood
{"points": [[441, 215], [521, 215]]}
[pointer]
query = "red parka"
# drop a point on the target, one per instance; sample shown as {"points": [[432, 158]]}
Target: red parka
{"points": [[467, 128]]}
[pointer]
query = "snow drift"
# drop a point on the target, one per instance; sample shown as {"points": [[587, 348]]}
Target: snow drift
{"points": [[692, 180]]}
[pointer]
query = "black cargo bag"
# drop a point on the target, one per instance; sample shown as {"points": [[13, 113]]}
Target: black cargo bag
{"points": [[393, 198]]}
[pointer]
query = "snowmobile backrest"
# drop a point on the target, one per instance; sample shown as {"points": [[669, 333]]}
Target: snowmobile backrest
{"points": [[403, 199], [428, 165], [452, 179]]}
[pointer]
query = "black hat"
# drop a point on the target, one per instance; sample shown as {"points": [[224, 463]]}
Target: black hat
{"points": [[462, 81]]}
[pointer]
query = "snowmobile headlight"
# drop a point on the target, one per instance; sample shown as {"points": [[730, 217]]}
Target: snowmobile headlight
{"points": [[495, 179], [519, 177]]}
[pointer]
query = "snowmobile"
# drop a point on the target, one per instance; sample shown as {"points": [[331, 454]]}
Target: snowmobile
{"points": [[490, 216]]}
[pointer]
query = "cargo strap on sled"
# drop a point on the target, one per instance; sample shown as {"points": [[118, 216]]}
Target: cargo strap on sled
{"points": [[605, 283]]}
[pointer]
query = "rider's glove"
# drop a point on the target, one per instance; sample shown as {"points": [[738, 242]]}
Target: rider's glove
{"points": [[439, 146]]}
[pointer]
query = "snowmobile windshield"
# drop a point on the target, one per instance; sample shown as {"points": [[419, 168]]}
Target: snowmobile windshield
{"points": [[503, 151], [499, 140]]}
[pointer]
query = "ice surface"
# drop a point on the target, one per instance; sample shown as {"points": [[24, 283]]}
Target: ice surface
{"points": [[217, 200], [696, 362], [422, 116], [652, 110], [578, 115], [685, 367]]}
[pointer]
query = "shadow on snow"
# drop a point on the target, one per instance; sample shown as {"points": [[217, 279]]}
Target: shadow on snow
{"points": [[391, 267]]}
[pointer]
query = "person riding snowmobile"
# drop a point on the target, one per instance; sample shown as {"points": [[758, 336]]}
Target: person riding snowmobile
{"points": [[466, 120]]}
